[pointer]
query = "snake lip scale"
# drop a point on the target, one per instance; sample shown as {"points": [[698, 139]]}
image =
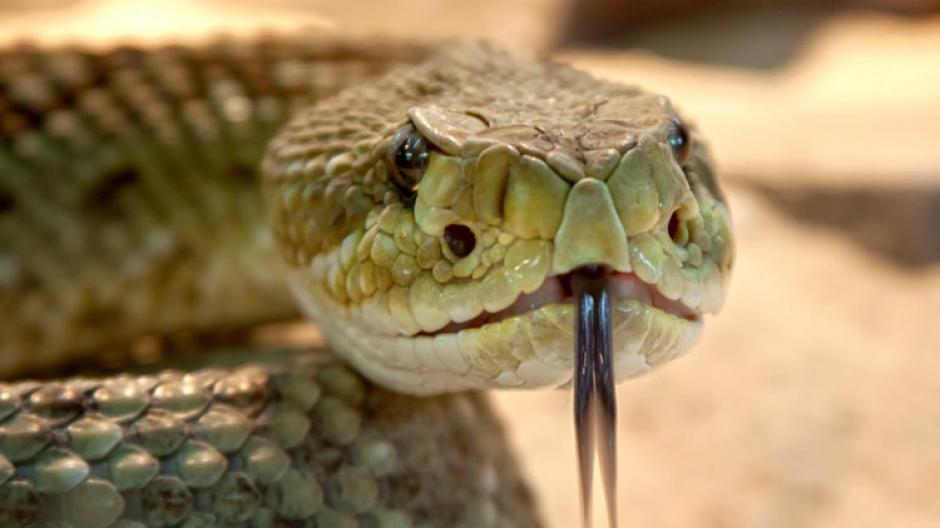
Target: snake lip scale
{"points": [[557, 290]]}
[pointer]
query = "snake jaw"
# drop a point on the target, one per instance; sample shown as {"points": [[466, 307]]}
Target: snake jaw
{"points": [[528, 344]]}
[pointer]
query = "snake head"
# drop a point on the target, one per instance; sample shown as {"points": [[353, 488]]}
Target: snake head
{"points": [[431, 221]]}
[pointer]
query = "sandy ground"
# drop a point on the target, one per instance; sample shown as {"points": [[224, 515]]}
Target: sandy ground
{"points": [[812, 400]]}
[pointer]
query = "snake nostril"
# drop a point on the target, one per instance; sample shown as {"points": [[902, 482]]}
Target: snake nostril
{"points": [[460, 239]]}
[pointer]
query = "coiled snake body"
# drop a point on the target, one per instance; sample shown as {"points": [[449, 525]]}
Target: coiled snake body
{"points": [[432, 220]]}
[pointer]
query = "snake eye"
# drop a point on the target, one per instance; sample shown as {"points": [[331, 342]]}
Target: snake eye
{"points": [[460, 239], [408, 156], [680, 142]]}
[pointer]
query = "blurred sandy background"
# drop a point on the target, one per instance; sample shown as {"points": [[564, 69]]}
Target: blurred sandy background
{"points": [[814, 399]]}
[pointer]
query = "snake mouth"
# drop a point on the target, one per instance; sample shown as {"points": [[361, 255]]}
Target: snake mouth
{"points": [[523, 340], [557, 289]]}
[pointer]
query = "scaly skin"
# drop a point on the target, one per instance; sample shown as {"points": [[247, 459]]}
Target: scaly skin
{"points": [[128, 207], [300, 440], [549, 168], [128, 199]]}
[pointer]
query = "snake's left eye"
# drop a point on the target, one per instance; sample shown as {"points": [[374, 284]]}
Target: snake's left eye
{"points": [[680, 141], [407, 158]]}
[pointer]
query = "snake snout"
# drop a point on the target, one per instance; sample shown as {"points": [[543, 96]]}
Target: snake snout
{"points": [[590, 233]]}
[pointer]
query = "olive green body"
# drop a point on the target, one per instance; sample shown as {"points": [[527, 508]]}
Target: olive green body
{"points": [[129, 207], [292, 438]]}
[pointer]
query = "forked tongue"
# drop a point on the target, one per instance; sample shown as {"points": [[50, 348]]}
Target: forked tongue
{"points": [[595, 404]]}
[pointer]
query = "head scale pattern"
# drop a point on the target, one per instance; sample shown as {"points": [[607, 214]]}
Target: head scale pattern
{"points": [[541, 169]]}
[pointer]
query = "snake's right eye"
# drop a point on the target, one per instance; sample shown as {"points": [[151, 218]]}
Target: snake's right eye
{"points": [[680, 141], [408, 156]]}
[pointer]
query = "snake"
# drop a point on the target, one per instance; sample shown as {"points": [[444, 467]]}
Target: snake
{"points": [[452, 217]]}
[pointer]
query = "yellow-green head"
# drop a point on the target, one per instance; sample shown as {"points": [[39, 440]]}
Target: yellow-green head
{"points": [[431, 221]]}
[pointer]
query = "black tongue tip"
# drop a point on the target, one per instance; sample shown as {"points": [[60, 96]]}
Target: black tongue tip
{"points": [[595, 404]]}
